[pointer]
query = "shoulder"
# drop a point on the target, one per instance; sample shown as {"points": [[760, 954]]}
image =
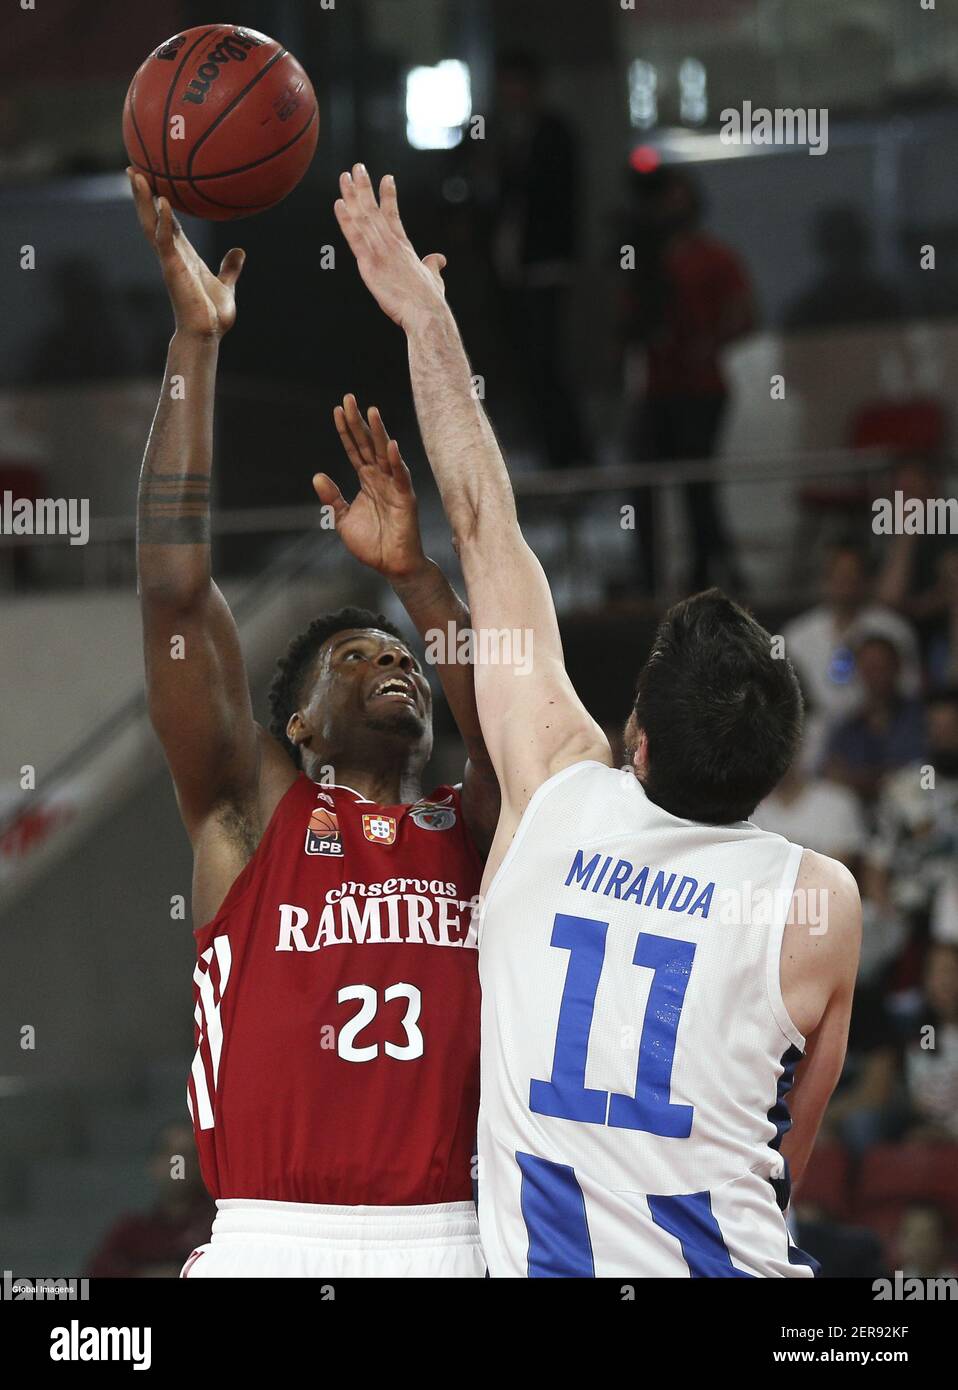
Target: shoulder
{"points": [[827, 894], [821, 942], [593, 769], [827, 874]]}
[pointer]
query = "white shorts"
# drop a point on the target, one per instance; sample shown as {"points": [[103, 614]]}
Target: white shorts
{"points": [[301, 1240]]}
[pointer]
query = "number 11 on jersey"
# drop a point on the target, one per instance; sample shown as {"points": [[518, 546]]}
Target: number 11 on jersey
{"points": [[565, 1096]]}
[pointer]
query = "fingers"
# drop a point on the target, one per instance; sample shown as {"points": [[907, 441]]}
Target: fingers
{"points": [[330, 495], [436, 263], [367, 445], [350, 226], [398, 470], [156, 217], [155, 214], [380, 437], [361, 206], [353, 443], [165, 225], [232, 266], [143, 202], [358, 428], [389, 202], [359, 188]]}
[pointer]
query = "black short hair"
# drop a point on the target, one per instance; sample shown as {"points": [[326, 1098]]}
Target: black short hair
{"points": [[286, 687], [722, 713]]}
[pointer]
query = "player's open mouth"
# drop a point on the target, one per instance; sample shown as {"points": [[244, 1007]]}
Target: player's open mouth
{"points": [[396, 688]]}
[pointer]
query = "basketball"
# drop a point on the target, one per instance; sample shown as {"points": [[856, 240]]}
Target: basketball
{"points": [[222, 120]]}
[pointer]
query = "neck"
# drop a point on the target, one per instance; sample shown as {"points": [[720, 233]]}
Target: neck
{"points": [[391, 783], [790, 787]]}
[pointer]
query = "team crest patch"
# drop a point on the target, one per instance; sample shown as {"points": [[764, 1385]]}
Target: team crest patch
{"points": [[380, 829], [322, 835], [433, 815]]}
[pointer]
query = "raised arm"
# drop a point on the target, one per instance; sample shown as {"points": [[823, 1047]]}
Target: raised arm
{"points": [[197, 688], [381, 528], [533, 722]]}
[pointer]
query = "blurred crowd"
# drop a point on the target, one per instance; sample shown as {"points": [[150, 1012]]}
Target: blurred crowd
{"points": [[876, 786], [154, 1243]]}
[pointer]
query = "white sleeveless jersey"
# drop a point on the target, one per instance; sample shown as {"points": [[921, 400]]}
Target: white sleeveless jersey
{"points": [[636, 1051]]}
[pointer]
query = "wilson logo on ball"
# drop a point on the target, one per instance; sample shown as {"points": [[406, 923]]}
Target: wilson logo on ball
{"points": [[234, 48], [169, 50]]}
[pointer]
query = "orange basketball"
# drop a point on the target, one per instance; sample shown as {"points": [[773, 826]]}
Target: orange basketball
{"points": [[222, 120]]}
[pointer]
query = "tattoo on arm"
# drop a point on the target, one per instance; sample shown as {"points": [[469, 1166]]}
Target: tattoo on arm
{"points": [[174, 509]]}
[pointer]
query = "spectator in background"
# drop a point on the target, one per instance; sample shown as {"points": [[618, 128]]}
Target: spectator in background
{"points": [[931, 1059], [947, 652], [155, 1243], [848, 290], [815, 813], [944, 909], [868, 1105], [533, 187], [821, 644], [686, 300], [25, 156], [924, 1244], [887, 731], [919, 577], [913, 855]]}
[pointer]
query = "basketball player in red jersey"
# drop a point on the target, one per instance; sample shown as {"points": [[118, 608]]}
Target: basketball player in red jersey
{"points": [[334, 1089]]}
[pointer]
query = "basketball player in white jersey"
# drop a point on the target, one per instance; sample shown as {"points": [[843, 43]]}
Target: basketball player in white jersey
{"points": [[666, 987]]}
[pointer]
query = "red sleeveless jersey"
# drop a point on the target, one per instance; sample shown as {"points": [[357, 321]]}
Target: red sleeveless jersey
{"points": [[337, 1007]]}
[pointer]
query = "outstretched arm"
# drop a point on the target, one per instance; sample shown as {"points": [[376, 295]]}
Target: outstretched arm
{"points": [[197, 689], [381, 528], [533, 721]]}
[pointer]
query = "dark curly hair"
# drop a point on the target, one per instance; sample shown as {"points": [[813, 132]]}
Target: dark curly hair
{"points": [[286, 687]]}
